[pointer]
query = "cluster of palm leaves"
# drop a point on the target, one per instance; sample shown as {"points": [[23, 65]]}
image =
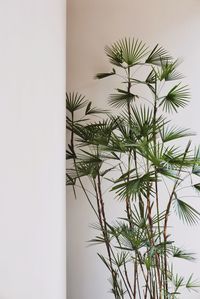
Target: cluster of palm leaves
{"points": [[135, 152]]}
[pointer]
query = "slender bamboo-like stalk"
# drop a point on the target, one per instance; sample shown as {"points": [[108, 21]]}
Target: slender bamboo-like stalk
{"points": [[128, 205], [127, 279], [156, 187], [138, 286], [167, 217], [102, 219]]}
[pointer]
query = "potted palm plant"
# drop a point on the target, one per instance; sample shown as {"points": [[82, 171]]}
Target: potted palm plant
{"points": [[135, 154]]}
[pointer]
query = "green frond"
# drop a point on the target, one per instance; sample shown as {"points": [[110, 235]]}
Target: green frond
{"points": [[89, 167], [117, 145], [69, 180], [105, 75], [168, 72], [132, 239], [197, 187], [104, 260], [75, 101], [158, 56], [120, 259], [177, 97], [88, 163], [142, 122], [162, 158], [168, 160], [178, 281], [147, 150], [71, 124], [158, 217], [182, 254], [115, 229], [70, 154], [93, 110], [98, 240], [126, 52], [135, 185], [151, 78], [160, 248], [104, 172], [179, 159], [137, 218], [95, 226], [96, 133], [125, 175], [123, 128], [149, 263], [169, 134], [192, 285], [196, 166], [186, 213], [121, 98], [168, 172]]}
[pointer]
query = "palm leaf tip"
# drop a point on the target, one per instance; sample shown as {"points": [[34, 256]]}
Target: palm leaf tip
{"points": [[186, 213], [93, 110], [151, 78], [104, 75], [168, 71], [182, 254], [197, 187], [169, 134], [177, 97], [192, 285], [75, 101], [158, 55], [196, 166], [121, 98], [178, 282]]}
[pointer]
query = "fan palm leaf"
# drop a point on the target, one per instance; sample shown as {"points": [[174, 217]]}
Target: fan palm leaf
{"points": [[177, 97], [186, 213], [93, 110], [135, 185], [121, 98], [167, 71], [126, 52], [192, 285], [158, 55], [143, 123], [182, 254], [173, 133], [75, 101]]}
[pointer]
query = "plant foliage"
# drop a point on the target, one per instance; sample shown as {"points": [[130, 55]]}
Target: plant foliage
{"points": [[131, 154]]}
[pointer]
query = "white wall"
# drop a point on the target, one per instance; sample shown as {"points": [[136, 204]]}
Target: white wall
{"points": [[91, 25], [32, 146]]}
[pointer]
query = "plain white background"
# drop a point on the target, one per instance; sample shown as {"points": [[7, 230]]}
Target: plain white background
{"points": [[93, 24], [32, 149]]}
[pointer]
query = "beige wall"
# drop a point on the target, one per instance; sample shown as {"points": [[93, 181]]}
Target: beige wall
{"points": [[32, 149], [175, 24]]}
